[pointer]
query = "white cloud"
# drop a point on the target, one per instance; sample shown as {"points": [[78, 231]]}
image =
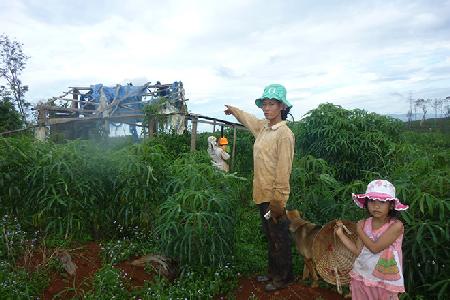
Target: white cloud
{"points": [[365, 54]]}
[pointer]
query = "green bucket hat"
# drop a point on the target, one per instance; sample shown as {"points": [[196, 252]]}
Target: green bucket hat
{"points": [[276, 92]]}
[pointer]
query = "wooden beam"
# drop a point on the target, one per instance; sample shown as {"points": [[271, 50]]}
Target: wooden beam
{"points": [[54, 121], [217, 122], [57, 108], [166, 85], [74, 100], [79, 88], [212, 123]]}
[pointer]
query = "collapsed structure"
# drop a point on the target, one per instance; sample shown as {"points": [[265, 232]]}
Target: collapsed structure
{"points": [[112, 106]]}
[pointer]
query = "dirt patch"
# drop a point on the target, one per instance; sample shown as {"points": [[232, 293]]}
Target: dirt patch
{"points": [[88, 261], [135, 274], [249, 288]]}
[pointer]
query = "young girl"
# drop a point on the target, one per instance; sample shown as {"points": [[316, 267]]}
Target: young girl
{"points": [[377, 272]]}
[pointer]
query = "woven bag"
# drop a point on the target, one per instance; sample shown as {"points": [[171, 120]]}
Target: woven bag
{"points": [[331, 256]]}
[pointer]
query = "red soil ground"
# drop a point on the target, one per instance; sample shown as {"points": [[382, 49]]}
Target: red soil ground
{"points": [[88, 261], [248, 287]]}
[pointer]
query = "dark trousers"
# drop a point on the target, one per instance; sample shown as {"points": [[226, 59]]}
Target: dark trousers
{"points": [[279, 242]]}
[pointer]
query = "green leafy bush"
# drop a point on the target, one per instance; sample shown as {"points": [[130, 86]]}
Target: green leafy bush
{"points": [[16, 156], [10, 119], [196, 227], [250, 255], [174, 145], [80, 188], [243, 160], [65, 185], [423, 181], [195, 223], [318, 194], [12, 238], [352, 141], [139, 183], [16, 283], [129, 242], [194, 283], [108, 283]]}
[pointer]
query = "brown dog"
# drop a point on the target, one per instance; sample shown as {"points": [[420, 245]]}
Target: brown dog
{"points": [[304, 233]]}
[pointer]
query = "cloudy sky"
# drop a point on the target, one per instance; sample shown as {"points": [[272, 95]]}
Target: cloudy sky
{"points": [[359, 54]]}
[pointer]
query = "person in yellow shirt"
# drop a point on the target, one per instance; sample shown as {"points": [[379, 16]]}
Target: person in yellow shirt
{"points": [[273, 152]]}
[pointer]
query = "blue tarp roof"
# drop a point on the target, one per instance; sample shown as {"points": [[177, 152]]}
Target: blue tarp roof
{"points": [[126, 93]]}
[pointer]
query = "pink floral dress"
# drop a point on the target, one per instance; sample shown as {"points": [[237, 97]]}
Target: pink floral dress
{"points": [[378, 276]]}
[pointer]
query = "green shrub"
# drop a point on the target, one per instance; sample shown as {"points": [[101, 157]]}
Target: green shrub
{"points": [[422, 179], [193, 283], [352, 141], [12, 238], [108, 284], [174, 145], [139, 183], [65, 185], [16, 283], [195, 223], [10, 119], [16, 156], [196, 227], [250, 255], [79, 188], [129, 242], [243, 160]]}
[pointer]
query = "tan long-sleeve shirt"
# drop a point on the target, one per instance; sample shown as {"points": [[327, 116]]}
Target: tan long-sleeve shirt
{"points": [[273, 153]]}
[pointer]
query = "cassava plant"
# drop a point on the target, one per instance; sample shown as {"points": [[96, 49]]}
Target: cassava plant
{"points": [[65, 183], [139, 183], [196, 227], [423, 181], [352, 141], [196, 221]]}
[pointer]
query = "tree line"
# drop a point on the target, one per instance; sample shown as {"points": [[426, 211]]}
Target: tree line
{"points": [[13, 106], [440, 107]]}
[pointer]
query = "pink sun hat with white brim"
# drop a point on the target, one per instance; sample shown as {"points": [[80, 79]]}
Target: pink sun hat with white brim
{"points": [[381, 190]]}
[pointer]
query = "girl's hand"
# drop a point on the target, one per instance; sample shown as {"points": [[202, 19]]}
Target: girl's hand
{"points": [[228, 110], [338, 227], [354, 248]]}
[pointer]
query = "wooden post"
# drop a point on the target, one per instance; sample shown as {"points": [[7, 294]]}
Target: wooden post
{"points": [[151, 127], [194, 133], [75, 97], [106, 127], [40, 131], [233, 152]]}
